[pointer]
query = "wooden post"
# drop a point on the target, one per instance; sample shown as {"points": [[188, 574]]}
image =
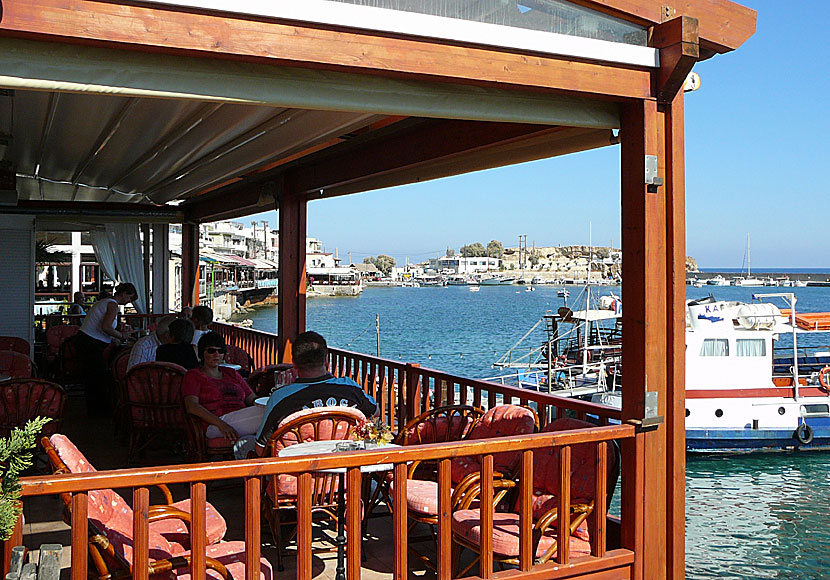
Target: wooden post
{"points": [[292, 272], [190, 263], [644, 345], [674, 408], [145, 255], [161, 268]]}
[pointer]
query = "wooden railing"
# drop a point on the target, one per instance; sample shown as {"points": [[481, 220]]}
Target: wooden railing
{"points": [[603, 561], [425, 388], [402, 392]]}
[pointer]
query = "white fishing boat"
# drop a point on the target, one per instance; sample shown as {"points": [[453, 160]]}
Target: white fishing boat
{"points": [[742, 394], [717, 281], [496, 280]]}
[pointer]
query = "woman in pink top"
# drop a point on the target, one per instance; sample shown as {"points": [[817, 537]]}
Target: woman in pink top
{"points": [[218, 395]]}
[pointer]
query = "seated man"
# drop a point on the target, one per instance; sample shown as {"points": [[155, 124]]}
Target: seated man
{"points": [[144, 349], [201, 316], [179, 350], [315, 387]]}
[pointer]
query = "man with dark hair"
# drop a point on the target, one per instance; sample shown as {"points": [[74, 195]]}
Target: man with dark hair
{"points": [[315, 387], [179, 349], [201, 316]]}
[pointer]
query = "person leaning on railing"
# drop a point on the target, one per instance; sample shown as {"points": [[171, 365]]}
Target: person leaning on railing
{"points": [[218, 395], [99, 329]]}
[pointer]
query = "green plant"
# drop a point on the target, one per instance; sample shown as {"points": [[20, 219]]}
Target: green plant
{"points": [[15, 457]]}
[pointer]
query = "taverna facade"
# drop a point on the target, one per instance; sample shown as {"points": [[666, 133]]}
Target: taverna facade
{"points": [[189, 111]]}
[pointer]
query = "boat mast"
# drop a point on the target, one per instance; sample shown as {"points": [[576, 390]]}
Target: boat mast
{"points": [[588, 300], [748, 260]]}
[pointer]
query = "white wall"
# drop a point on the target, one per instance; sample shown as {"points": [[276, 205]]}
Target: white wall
{"points": [[17, 282]]}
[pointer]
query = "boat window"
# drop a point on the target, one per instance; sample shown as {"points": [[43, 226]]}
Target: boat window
{"points": [[715, 347], [751, 347], [815, 410]]}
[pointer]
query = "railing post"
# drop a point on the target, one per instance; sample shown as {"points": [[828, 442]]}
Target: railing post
{"points": [[15, 540], [413, 391]]}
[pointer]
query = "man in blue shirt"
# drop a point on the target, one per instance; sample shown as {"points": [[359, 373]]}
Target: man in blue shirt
{"points": [[315, 387]]}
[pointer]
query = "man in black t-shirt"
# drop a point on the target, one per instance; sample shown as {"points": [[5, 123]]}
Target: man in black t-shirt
{"points": [[314, 387]]}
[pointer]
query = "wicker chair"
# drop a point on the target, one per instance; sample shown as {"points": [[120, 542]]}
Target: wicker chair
{"points": [[25, 399], [154, 403], [16, 344], [111, 529], [237, 356], [466, 518], [263, 379], [422, 495], [15, 365], [280, 494], [438, 425]]}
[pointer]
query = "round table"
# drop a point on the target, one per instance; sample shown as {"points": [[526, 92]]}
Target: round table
{"points": [[326, 447]]}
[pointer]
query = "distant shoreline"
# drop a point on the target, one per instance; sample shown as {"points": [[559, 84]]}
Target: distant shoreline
{"points": [[760, 271]]}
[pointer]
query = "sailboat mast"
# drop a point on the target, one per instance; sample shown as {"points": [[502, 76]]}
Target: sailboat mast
{"points": [[748, 259]]}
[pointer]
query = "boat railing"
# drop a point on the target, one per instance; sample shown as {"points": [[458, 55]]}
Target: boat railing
{"points": [[565, 380], [605, 556]]}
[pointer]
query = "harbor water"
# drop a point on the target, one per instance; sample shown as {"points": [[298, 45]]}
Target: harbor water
{"points": [[747, 517]]}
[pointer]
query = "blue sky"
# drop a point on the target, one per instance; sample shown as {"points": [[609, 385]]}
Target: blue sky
{"points": [[756, 163]]}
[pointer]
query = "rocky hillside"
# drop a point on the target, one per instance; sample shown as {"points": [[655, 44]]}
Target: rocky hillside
{"points": [[571, 262]]}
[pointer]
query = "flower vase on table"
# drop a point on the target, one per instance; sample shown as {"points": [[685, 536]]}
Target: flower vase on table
{"points": [[373, 432]]}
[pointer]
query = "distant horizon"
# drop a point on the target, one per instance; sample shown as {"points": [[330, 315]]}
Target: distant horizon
{"points": [[769, 270]]}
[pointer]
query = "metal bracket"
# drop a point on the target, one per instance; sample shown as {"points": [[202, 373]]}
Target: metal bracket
{"points": [[652, 180], [643, 425], [651, 419]]}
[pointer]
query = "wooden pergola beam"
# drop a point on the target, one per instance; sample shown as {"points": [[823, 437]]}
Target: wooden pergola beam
{"points": [[101, 211], [423, 145], [678, 41], [239, 38], [724, 25]]}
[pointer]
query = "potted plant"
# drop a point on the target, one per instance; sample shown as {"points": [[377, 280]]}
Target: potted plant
{"points": [[15, 457], [373, 432]]}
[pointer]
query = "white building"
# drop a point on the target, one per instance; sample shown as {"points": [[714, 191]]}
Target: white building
{"points": [[464, 265]]}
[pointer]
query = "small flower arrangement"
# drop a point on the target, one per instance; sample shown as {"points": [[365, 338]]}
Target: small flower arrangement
{"points": [[373, 431]]}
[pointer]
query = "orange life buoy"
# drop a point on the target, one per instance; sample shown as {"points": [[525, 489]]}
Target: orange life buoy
{"points": [[822, 378]]}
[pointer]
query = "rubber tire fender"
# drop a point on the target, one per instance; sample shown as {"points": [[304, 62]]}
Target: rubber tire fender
{"points": [[804, 434]]}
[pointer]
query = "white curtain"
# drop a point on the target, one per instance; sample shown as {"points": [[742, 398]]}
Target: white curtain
{"points": [[751, 347], [103, 253], [715, 347], [126, 246]]}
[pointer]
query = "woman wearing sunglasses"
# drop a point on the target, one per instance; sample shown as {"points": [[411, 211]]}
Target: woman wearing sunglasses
{"points": [[218, 395]]}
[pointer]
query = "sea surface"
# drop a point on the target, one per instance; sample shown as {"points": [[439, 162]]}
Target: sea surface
{"points": [[747, 517]]}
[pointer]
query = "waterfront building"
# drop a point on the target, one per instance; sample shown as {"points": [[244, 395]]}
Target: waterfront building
{"points": [[464, 264]]}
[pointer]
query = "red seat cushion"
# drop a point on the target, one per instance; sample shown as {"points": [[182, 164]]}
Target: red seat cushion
{"points": [[112, 513], [232, 555], [467, 523], [501, 421]]}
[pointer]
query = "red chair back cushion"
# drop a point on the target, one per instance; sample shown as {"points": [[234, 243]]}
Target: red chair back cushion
{"points": [[154, 395], [24, 399], [15, 343], [55, 337], [14, 364], [501, 421]]}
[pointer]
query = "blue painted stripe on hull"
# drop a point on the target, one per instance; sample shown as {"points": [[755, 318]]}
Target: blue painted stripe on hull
{"points": [[720, 440]]}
